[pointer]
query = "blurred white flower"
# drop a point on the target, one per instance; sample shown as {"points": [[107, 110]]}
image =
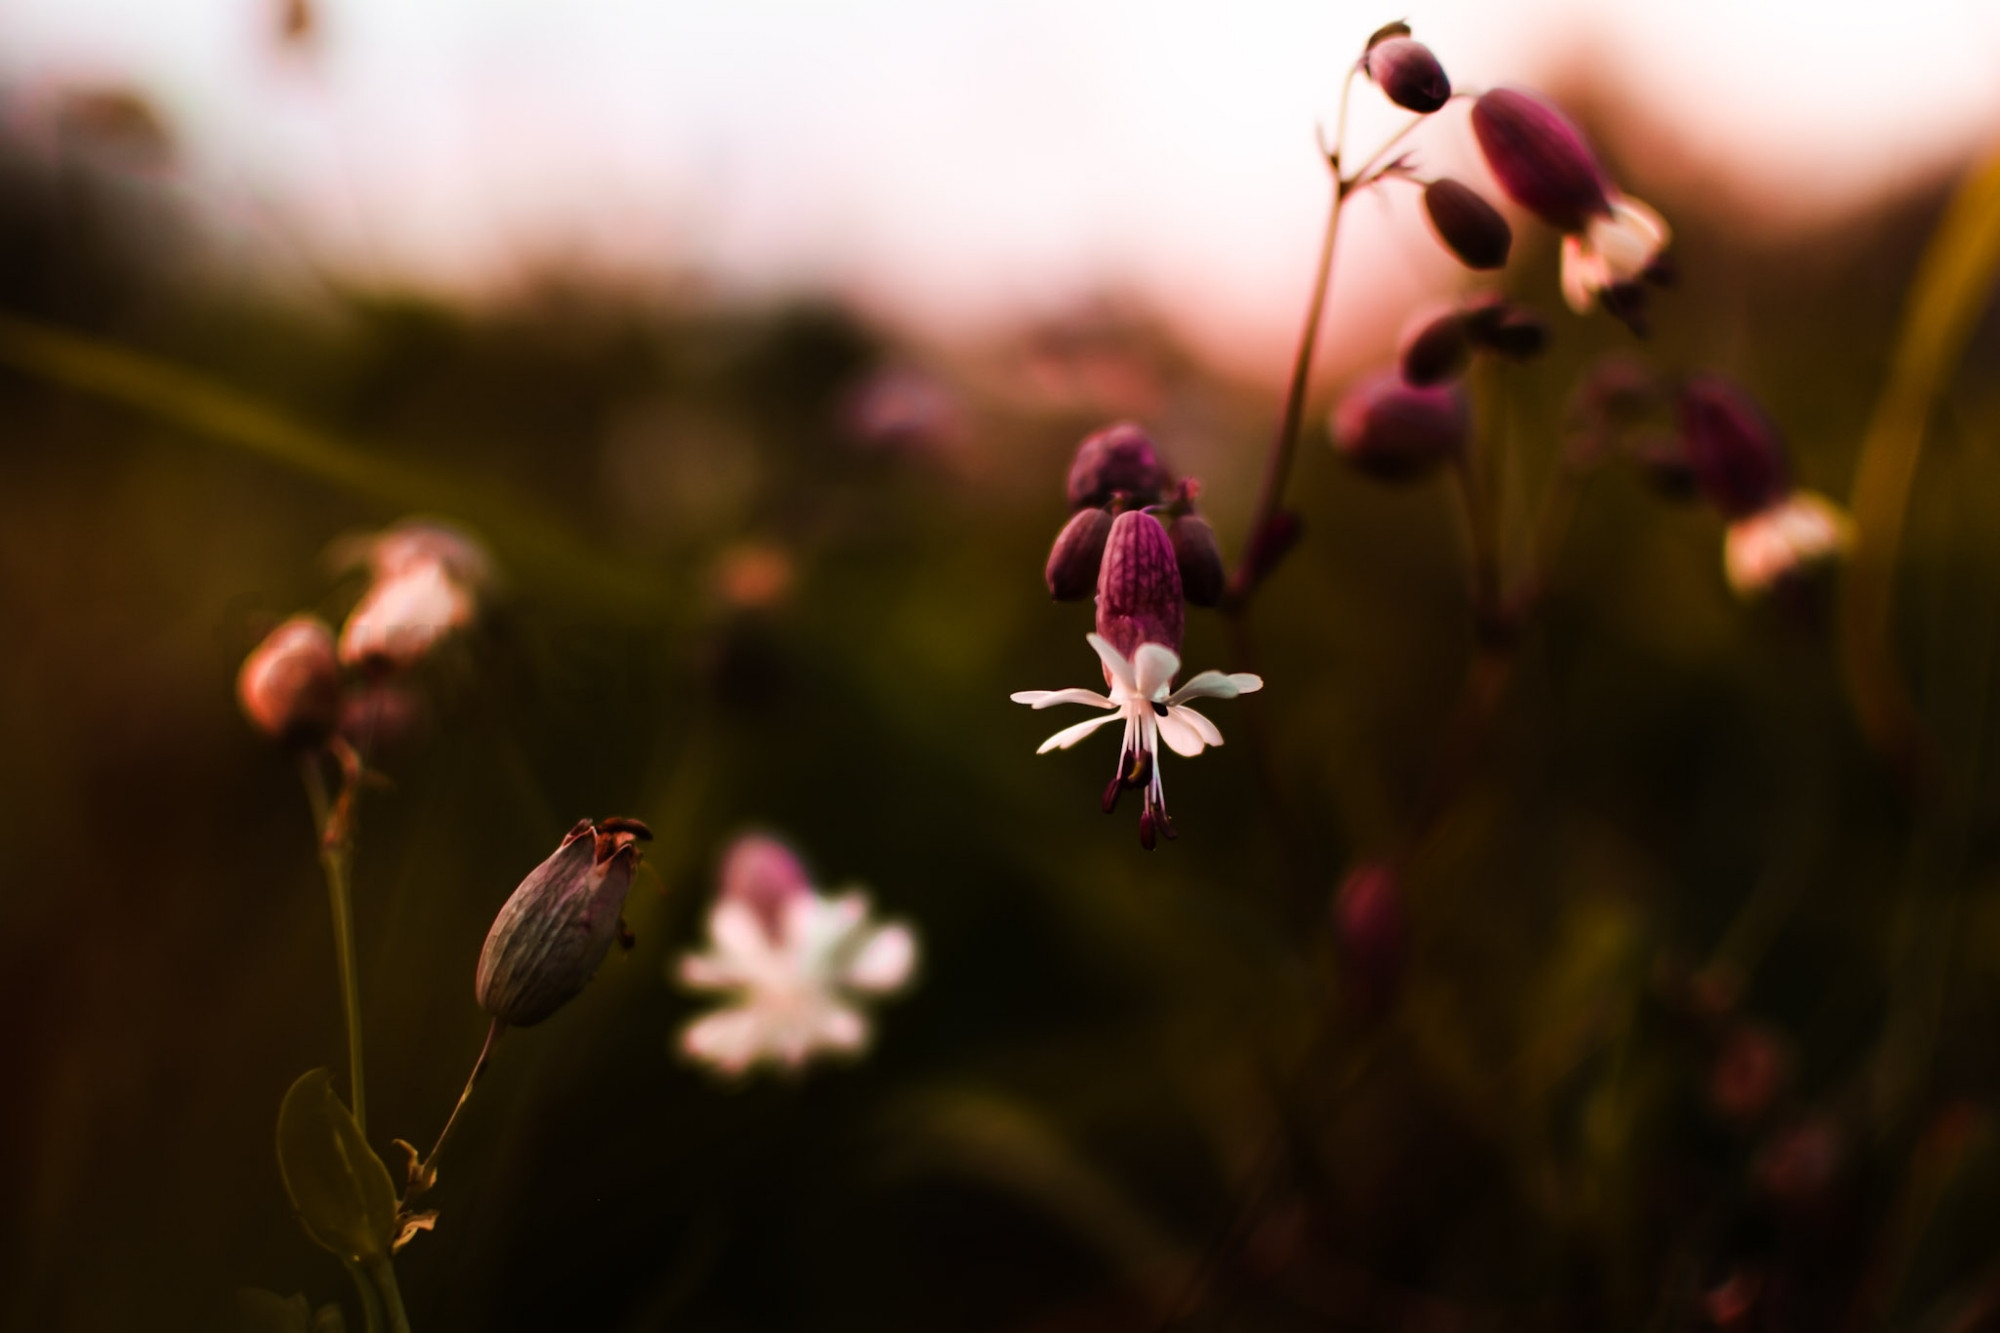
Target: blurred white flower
{"points": [[1799, 531], [792, 965], [427, 581], [1615, 250]]}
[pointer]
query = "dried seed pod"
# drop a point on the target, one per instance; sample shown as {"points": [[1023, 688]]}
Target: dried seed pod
{"points": [[1435, 350], [1199, 558], [289, 685], [1408, 74], [1139, 597], [1394, 430], [1467, 225], [1541, 159], [1119, 458], [1076, 555], [555, 929], [1734, 450]]}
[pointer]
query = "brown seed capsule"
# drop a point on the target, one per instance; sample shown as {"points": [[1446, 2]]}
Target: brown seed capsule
{"points": [[1541, 160], [1139, 598], [1435, 350], [1467, 225], [289, 685], [1395, 431], [1119, 458], [1408, 74], [555, 929], [1199, 558], [1078, 550]]}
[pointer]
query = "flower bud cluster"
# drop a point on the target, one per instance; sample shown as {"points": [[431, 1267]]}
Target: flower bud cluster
{"points": [[1116, 472], [303, 687]]}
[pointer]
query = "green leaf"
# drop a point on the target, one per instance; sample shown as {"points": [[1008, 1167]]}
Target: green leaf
{"points": [[343, 1193]]}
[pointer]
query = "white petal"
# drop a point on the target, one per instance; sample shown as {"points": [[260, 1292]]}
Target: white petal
{"points": [[1069, 736], [1114, 662], [1629, 240], [1050, 698], [841, 1028], [1179, 736], [1154, 666], [1215, 685], [739, 936], [729, 1039], [710, 971], [1802, 529], [884, 962], [1202, 726], [1584, 274]]}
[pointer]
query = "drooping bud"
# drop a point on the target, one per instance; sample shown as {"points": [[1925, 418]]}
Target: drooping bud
{"points": [[1199, 558], [1139, 598], [1078, 550], [289, 685], [1435, 349], [1500, 326], [1118, 458], [764, 874], [1408, 74], [1372, 929], [1467, 225], [1734, 450], [1393, 430], [555, 929], [1541, 159]]}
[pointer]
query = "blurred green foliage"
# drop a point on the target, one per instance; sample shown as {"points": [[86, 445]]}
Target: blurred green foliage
{"points": [[1128, 1090]]}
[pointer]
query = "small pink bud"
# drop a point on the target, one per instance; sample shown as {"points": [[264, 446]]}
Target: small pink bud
{"points": [[1076, 555], [1435, 350], [1119, 458], [289, 685], [1372, 929], [1139, 596], [1734, 451], [1392, 430], [1541, 159], [1408, 74], [1199, 558], [555, 929], [1467, 225]]}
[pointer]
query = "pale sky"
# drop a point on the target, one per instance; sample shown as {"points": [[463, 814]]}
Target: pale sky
{"points": [[954, 165]]}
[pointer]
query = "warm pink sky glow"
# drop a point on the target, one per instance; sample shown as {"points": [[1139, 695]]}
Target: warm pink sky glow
{"points": [[951, 163]]}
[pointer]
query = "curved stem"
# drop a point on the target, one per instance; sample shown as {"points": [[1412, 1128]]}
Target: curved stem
{"points": [[424, 1175], [335, 819], [371, 1300]]}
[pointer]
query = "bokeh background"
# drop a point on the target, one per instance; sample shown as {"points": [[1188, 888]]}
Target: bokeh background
{"points": [[754, 340]]}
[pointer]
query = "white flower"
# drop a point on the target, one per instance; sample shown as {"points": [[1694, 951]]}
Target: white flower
{"points": [[792, 974], [426, 582], [1615, 250], [1800, 530], [1140, 695]]}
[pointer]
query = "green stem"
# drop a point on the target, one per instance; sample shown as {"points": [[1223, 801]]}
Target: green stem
{"points": [[425, 1175], [384, 1274], [371, 1301], [336, 850]]}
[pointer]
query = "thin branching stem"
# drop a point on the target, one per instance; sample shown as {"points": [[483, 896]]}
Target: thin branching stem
{"points": [[335, 820], [424, 1174]]}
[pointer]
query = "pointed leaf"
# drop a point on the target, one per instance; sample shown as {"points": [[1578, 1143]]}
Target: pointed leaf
{"points": [[343, 1193]]}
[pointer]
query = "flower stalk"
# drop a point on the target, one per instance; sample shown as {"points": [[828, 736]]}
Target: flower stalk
{"points": [[334, 818]]}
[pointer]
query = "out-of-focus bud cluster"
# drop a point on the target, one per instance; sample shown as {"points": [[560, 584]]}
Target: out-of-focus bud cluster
{"points": [[1613, 245], [792, 965], [1393, 430], [1116, 475], [303, 687], [554, 930]]}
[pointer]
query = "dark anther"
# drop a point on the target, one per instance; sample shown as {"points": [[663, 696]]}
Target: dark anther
{"points": [[1111, 793], [621, 824]]}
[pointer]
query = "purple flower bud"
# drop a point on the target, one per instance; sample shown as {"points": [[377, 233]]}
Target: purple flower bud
{"points": [[1467, 225], [1199, 558], [1139, 585], [1541, 160], [1435, 350], [289, 685], [1394, 430], [1372, 929], [556, 928], [1505, 329], [1408, 74], [1117, 458], [1734, 451], [1078, 550]]}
